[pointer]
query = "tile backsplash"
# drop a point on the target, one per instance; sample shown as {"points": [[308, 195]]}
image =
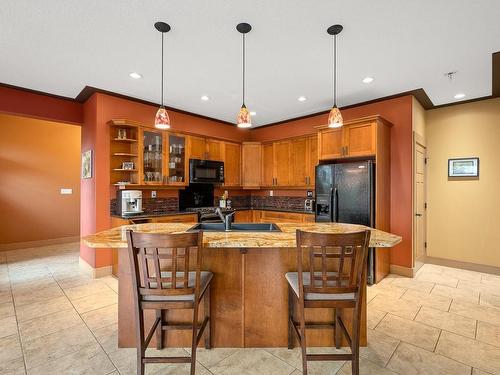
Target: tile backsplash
{"points": [[152, 206]]}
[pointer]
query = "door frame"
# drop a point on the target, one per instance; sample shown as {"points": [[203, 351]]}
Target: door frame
{"points": [[418, 140]]}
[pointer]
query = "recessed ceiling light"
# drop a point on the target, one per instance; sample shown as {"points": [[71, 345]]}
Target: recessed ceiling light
{"points": [[135, 75], [460, 96], [301, 98], [204, 98], [368, 80], [253, 113]]}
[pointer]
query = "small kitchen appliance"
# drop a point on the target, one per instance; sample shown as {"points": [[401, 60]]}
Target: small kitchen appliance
{"points": [[206, 171], [129, 202]]}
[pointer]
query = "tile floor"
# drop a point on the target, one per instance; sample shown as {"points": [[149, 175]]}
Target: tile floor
{"points": [[55, 320]]}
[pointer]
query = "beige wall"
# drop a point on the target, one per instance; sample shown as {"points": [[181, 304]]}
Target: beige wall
{"points": [[418, 118], [37, 158], [464, 216]]}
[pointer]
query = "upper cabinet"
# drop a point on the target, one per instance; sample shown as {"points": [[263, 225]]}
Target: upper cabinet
{"points": [[124, 148], [251, 156], [177, 162], [232, 164], [152, 157], [206, 148], [289, 163], [356, 138]]}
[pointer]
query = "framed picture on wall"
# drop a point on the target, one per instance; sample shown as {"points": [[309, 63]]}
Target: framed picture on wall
{"points": [[87, 164], [465, 167]]}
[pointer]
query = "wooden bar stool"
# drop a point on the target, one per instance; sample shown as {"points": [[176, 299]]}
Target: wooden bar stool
{"points": [[337, 267], [162, 281]]}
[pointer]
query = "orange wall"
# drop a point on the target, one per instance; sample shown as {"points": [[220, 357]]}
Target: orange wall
{"points": [[44, 107], [399, 112], [37, 158]]}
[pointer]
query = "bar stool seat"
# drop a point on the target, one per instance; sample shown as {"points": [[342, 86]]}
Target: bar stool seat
{"points": [[293, 280], [205, 278]]}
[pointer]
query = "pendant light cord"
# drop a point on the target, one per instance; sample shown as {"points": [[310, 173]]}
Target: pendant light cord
{"points": [[162, 84], [243, 69], [334, 73]]}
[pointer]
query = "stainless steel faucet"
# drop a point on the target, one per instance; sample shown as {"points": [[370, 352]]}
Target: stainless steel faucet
{"points": [[226, 219]]}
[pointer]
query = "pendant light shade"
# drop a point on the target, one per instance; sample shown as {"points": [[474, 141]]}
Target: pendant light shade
{"points": [[162, 121], [335, 119], [244, 119]]}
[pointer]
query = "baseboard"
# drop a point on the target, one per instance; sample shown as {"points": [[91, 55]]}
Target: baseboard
{"points": [[463, 265], [94, 272], [402, 271], [28, 244]]}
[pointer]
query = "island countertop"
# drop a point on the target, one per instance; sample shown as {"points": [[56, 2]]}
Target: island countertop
{"points": [[116, 238]]}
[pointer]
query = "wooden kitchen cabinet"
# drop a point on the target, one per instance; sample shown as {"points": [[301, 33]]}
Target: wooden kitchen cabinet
{"points": [[197, 148], [187, 218], [282, 163], [303, 161], [243, 216], [330, 143], [264, 216], [215, 149], [357, 138], [232, 164], [267, 168], [360, 139], [251, 154]]}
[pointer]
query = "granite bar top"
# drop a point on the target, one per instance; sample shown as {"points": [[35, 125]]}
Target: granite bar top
{"points": [[147, 216], [116, 237], [172, 213]]}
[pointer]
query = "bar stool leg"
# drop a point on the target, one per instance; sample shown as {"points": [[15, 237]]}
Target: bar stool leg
{"points": [[194, 342], [159, 330], [206, 310], [303, 337], [141, 350], [337, 332], [290, 317]]}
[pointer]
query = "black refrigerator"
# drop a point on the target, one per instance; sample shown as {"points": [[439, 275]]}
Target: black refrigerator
{"points": [[345, 193]]}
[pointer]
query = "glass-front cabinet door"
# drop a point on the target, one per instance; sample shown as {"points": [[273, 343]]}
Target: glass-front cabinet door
{"points": [[177, 164], [152, 157]]}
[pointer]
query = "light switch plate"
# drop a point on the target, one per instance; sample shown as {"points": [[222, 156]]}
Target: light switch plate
{"points": [[65, 191], [153, 193], [271, 193]]}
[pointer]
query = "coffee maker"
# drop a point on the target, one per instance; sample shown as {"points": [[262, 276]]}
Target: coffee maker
{"points": [[129, 202]]}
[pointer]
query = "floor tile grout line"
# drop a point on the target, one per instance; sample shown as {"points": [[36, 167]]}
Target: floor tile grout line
{"points": [[437, 341], [17, 323], [392, 354]]}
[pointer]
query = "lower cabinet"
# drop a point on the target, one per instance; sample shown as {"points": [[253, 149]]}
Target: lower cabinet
{"points": [[189, 218], [243, 216]]}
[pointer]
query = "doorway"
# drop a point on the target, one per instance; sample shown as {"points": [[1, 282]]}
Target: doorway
{"points": [[419, 202]]}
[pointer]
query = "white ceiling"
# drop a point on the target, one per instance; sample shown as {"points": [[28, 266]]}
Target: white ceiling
{"points": [[60, 46]]}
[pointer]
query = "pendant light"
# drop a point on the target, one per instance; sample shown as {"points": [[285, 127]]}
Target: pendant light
{"points": [[335, 119], [162, 121], [243, 120]]}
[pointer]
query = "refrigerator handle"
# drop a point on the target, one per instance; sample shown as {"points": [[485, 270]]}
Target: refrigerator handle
{"points": [[335, 202]]}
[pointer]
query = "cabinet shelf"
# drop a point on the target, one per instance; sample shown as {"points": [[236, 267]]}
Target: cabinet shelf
{"points": [[124, 140], [125, 154], [124, 170]]}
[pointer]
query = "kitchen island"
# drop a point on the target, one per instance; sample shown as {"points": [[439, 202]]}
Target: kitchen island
{"points": [[249, 292]]}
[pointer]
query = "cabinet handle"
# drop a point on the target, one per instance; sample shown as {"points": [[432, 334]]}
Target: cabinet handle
{"points": [[346, 150]]}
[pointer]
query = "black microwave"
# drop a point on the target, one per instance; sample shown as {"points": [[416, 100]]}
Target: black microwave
{"points": [[206, 171]]}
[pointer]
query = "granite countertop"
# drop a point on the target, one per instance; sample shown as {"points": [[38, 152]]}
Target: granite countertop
{"points": [[146, 216], [115, 238]]}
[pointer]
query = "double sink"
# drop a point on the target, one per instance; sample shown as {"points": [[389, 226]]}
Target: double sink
{"points": [[235, 227]]}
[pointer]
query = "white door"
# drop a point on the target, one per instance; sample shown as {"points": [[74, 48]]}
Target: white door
{"points": [[419, 221]]}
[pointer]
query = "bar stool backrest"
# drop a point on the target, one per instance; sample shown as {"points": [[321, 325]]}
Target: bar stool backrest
{"points": [[336, 261], [161, 262]]}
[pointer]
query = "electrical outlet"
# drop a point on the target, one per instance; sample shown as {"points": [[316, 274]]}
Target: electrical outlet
{"points": [[153, 193], [271, 193], [65, 191]]}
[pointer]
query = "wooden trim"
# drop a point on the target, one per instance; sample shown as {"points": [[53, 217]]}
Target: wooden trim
{"points": [[360, 120], [38, 243], [495, 77], [94, 272], [88, 91], [463, 265], [402, 271]]}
